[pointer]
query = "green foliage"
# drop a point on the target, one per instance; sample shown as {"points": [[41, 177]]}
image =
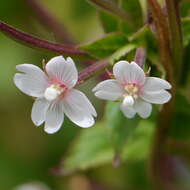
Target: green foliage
{"points": [[106, 46], [122, 52], [93, 146]]}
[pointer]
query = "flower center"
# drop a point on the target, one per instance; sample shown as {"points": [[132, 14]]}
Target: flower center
{"points": [[131, 94], [52, 92]]}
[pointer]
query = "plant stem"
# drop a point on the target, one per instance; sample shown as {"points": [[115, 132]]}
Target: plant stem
{"points": [[92, 70], [30, 40], [49, 21], [158, 156], [175, 33]]}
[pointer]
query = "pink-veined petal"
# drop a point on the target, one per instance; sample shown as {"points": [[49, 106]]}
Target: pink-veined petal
{"points": [[128, 111], [54, 118], [109, 90], [39, 110], [156, 97], [78, 109], [128, 73], [62, 70], [32, 81], [156, 84], [143, 108]]}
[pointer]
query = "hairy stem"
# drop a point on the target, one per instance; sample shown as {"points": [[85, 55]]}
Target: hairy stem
{"points": [[33, 41], [49, 21], [159, 156]]}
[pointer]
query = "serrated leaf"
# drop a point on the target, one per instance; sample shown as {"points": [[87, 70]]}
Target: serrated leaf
{"points": [[106, 46], [93, 147]]}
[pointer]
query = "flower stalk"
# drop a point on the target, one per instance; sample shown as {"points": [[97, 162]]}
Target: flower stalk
{"points": [[92, 70], [36, 42]]}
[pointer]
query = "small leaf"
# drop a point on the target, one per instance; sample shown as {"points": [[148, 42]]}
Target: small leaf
{"points": [[106, 46]]}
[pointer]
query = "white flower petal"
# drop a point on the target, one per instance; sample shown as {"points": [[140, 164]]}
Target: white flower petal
{"points": [[78, 109], [54, 118], [62, 70], [128, 111], [80, 99], [128, 73], [156, 84], [109, 90], [143, 108], [156, 97], [32, 81], [39, 110]]}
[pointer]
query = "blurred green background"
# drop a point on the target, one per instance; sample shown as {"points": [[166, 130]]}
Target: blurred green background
{"points": [[27, 153]]}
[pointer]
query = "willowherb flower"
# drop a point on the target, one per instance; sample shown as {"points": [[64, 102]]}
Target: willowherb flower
{"points": [[55, 93], [136, 91]]}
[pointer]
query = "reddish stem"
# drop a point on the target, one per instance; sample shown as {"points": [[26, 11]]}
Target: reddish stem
{"points": [[39, 43], [91, 70]]}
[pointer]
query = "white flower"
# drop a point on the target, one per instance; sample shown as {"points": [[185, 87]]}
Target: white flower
{"points": [[136, 91], [55, 94]]}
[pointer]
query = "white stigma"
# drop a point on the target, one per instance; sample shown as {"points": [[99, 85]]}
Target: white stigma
{"points": [[52, 92], [128, 101]]}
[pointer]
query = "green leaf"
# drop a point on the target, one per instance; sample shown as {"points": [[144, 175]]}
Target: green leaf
{"points": [[93, 147], [106, 46], [120, 127], [120, 53]]}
